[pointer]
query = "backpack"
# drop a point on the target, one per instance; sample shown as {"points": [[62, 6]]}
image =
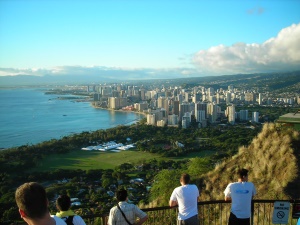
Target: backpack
{"points": [[69, 220]]}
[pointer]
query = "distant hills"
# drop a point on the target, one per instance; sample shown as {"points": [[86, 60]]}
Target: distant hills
{"points": [[265, 81], [30, 80]]}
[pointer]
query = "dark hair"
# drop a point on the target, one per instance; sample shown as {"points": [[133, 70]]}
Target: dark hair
{"points": [[63, 203], [185, 178], [32, 199], [121, 195], [242, 173]]}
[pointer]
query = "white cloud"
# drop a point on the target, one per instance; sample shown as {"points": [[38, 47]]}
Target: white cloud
{"points": [[281, 53]]}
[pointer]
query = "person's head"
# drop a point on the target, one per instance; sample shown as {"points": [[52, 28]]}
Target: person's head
{"points": [[121, 195], [63, 203], [243, 174], [185, 178], [32, 200]]}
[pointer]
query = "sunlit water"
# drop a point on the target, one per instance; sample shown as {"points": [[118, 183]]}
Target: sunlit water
{"points": [[28, 116]]}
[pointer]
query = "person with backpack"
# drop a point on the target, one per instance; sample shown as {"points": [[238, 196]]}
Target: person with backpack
{"points": [[63, 204]]}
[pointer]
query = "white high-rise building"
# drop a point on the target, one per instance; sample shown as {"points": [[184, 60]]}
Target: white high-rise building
{"points": [[260, 99], [255, 116], [231, 114], [151, 119], [212, 112]]}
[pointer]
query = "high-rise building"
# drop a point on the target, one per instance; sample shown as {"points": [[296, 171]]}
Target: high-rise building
{"points": [[196, 98], [218, 98], [142, 94], [117, 103], [210, 91], [176, 108], [244, 115], [97, 97], [186, 96], [228, 98], [212, 112], [200, 106], [173, 119], [179, 98], [231, 114], [183, 108], [255, 117], [260, 99], [186, 120], [151, 119]]}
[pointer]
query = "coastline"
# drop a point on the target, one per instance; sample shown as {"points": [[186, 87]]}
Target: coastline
{"points": [[45, 119], [118, 110]]}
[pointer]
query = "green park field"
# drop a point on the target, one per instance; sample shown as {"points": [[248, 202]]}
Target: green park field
{"points": [[86, 160]]}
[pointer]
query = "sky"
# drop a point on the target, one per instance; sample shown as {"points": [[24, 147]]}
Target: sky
{"points": [[157, 38]]}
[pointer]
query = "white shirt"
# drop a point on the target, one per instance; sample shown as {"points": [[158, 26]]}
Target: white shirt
{"points": [[187, 199], [241, 194], [131, 212]]}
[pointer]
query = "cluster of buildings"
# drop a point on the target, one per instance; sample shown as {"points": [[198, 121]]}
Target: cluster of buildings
{"points": [[175, 105]]}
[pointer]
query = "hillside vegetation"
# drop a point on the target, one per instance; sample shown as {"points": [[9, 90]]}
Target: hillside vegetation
{"points": [[273, 162]]}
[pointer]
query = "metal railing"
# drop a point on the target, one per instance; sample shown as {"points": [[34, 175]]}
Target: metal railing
{"points": [[209, 213]]}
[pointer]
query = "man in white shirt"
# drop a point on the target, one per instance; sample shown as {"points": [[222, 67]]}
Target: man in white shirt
{"points": [[32, 201], [241, 194], [186, 197]]}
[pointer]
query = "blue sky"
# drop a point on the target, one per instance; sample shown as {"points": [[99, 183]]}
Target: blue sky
{"points": [[188, 38]]}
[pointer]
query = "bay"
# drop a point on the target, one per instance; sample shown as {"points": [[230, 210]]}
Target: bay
{"points": [[29, 116]]}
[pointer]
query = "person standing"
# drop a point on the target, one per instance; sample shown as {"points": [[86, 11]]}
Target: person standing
{"points": [[125, 213], [63, 204], [240, 193], [33, 204], [186, 197]]}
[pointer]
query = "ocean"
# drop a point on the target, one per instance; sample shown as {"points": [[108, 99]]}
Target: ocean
{"points": [[29, 116]]}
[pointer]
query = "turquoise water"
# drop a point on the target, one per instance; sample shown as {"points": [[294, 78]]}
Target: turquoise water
{"points": [[28, 116]]}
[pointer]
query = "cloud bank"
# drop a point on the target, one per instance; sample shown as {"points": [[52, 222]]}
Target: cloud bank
{"points": [[281, 53]]}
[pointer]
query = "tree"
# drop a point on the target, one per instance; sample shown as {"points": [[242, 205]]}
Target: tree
{"points": [[198, 166], [164, 183]]}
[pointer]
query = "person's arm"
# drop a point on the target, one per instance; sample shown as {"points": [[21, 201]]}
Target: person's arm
{"points": [[173, 199], [227, 193], [173, 203], [227, 198], [141, 220], [110, 218]]}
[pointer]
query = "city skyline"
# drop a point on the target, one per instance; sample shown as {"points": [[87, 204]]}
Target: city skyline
{"points": [[148, 39]]}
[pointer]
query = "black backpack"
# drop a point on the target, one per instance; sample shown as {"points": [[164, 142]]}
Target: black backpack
{"points": [[69, 221]]}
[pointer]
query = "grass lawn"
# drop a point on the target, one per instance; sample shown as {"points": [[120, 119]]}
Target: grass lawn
{"points": [[86, 160], [200, 154]]}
